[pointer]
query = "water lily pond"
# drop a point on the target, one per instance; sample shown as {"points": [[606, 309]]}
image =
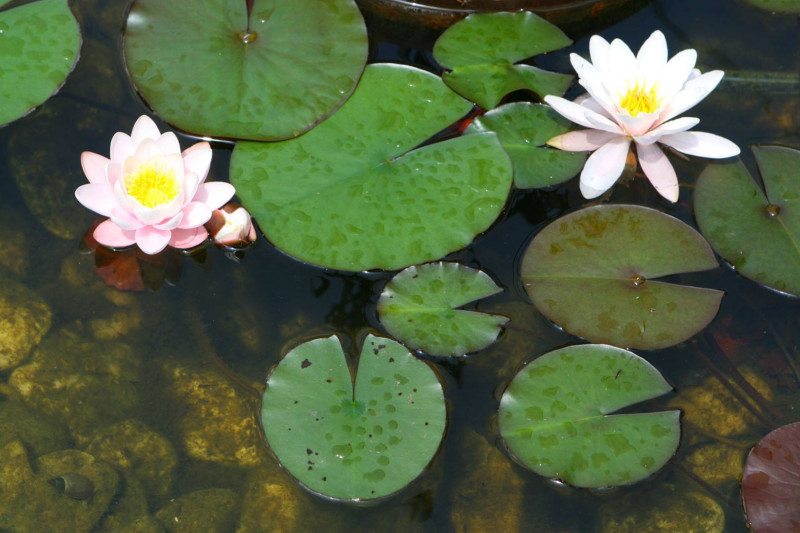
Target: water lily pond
{"points": [[473, 299]]}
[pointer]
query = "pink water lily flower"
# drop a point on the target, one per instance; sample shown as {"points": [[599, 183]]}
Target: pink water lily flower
{"points": [[154, 195], [635, 98]]}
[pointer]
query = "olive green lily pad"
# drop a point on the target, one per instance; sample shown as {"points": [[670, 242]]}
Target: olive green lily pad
{"points": [[207, 68], [351, 442], [555, 417], [350, 195], [524, 129], [419, 306], [480, 52], [591, 272], [757, 233], [781, 6], [39, 46]]}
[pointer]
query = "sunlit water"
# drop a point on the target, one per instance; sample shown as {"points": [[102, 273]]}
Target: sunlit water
{"points": [[230, 322]]}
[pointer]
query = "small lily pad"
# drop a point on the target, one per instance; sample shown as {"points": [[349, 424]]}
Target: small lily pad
{"points": [[419, 306], [556, 417], [591, 272], [207, 67], [757, 233], [523, 129], [350, 195], [771, 482], [353, 442], [39, 46], [780, 6], [481, 50]]}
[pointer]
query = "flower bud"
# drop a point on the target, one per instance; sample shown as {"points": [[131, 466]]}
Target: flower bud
{"points": [[231, 226]]}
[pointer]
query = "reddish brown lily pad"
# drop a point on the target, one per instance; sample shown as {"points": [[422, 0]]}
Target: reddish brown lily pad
{"points": [[771, 482]]}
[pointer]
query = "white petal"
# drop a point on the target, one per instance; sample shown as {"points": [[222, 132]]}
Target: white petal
{"points": [[659, 171], [622, 67], [168, 143], [574, 112], [581, 140], [145, 128], [604, 167], [638, 125], [676, 74], [600, 122], [598, 51], [122, 147], [692, 93], [673, 126], [599, 95], [590, 103], [652, 56], [701, 144]]}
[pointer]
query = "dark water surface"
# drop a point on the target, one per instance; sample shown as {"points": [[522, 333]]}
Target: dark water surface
{"points": [[199, 350]]}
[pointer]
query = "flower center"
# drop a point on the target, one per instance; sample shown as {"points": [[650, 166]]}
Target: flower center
{"points": [[151, 186], [639, 100]]}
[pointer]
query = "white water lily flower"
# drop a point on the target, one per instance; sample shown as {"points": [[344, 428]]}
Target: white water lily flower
{"points": [[636, 98]]}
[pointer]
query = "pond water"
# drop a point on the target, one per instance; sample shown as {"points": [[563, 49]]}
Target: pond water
{"points": [[174, 376]]}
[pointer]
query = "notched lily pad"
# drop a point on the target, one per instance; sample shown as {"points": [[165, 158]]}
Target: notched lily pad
{"points": [[771, 482], [39, 46], [419, 306], [207, 68], [757, 233], [556, 417], [350, 195], [591, 272], [480, 52], [523, 129], [353, 442]]}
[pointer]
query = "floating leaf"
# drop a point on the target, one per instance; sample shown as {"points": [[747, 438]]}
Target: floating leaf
{"points": [[207, 68], [419, 307], [771, 482], [523, 128], [39, 45], [781, 6], [346, 195], [756, 233], [481, 50], [555, 417], [591, 273], [353, 442]]}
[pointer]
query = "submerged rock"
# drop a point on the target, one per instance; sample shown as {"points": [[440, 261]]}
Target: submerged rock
{"points": [[670, 509], [718, 464], [24, 319], [13, 241], [86, 383], [128, 506], [143, 524], [134, 448], [39, 433], [209, 511]]}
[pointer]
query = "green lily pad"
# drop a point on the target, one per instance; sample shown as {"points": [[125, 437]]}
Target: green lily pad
{"points": [[207, 68], [591, 273], [523, 129], [419, 306], [556, 417], [481, 50], [353, 442], [780, 6], [349, 194], [39, 46], [757, 233]]}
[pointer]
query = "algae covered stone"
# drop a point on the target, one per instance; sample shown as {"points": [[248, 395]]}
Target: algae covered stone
{"points": [[209, 510], [41, 434], [24, 319], [670, 509]]}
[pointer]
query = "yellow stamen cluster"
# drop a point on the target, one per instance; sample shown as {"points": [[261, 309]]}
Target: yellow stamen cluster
{"points": [[640, 100], [152, 186]]}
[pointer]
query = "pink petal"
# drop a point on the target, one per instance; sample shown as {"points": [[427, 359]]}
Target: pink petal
{"points": [[659, 171], [603, 167], [152, 240], [197, 159], [195, 214], [695, 90], [168, 143], [111, 235], [124, 219], [114, 173], [639, 124], [214, 194], [581, 140], [147, 149], [145, 128], [188, 238], [578, 114], [171, 223], [97, 197], [122, 147], [701, 144], [94, 167], [673, 126]]}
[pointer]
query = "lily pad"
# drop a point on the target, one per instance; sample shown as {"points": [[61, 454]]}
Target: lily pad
{"points": [[771, 482], [207, 67], [757, 233], [780, 6], [39, 46], [480, 52], [349, 194], [353, 442], [523, 129], [556, 417], [419, 306], [591, 272]]}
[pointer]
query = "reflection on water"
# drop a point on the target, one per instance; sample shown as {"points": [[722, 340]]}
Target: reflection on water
{"points": [[152, 397]]}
